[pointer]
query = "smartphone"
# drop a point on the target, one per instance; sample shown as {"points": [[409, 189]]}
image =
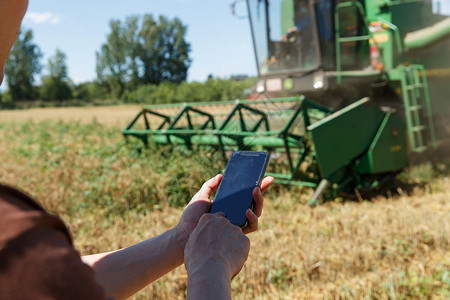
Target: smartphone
{"points": [[243, 173]]}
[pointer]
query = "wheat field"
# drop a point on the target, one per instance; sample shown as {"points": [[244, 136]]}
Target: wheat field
{"points": [[394, 245]]}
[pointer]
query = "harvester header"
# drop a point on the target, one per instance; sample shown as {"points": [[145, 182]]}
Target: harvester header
{"points": [[346, 91]]}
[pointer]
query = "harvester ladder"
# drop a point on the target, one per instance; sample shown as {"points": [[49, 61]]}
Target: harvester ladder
{"points": [[416, 101]]}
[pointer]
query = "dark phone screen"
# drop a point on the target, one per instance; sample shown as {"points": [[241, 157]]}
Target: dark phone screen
{"points": [[235, 194]]}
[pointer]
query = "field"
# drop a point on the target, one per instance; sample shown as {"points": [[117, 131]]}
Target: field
{"points": [[395, 245]]}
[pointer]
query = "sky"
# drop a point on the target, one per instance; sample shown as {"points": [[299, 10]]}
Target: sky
{"points": [[220, 42]]}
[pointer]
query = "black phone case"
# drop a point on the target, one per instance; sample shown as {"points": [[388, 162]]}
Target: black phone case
{"points": [[244, 172]]}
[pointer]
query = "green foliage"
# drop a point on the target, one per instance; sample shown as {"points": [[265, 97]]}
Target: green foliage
{"points": [[163, 52], [22, 66], [94, 168], [143, 50], [111, 60], [280, 273], [93, 93], [87, 91], [411, 285], [211, 90], [57, 66], [6, 100], [55, 89], [56, 86]]}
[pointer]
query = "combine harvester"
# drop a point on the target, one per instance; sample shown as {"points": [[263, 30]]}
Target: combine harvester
{"points": [[355, 94]]}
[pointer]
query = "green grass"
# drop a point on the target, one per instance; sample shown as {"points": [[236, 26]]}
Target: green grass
{"points": [[94, 163]]}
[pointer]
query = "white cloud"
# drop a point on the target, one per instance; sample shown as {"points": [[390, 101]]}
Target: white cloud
{"points": [[46, 17]]}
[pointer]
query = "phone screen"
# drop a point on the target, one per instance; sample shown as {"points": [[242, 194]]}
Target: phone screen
{"points": [[243, 173]]}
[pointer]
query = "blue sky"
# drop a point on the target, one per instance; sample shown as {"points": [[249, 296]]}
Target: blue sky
{"points": [[221, 43]]}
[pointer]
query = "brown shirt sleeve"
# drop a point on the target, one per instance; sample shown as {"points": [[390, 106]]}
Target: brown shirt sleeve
{"points": [[37, 259]]}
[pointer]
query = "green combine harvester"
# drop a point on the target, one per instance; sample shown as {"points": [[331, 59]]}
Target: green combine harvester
{"points": [[342, 99]]}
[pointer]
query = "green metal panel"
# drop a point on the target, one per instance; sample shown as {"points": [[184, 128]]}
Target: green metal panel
{"points": [[373, 9], [383, 38], [341, 137], [388, 151]]}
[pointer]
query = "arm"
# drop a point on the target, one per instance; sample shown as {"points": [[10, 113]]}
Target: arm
{"points": [[11, 14], [214, 254], [124, 272]]}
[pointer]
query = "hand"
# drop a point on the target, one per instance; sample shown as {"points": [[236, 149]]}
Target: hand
{"points": [[292, 29], [201, 203], [198, 205], [215, 248], [289, 34], [252, 216]]}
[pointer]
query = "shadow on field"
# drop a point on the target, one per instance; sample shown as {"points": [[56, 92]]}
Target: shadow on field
{"points": [[394, 188], [425, 169]]}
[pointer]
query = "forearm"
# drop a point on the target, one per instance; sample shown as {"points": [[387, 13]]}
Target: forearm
{"points": [[210, 282], [11, 14], [124, 272]]}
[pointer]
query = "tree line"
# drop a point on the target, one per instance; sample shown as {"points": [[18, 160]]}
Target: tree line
{"points": [[144, 60]]}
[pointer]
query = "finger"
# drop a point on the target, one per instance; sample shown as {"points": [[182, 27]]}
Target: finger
{"points": [[259, 201], [265, 183], [209, 187], [219, 214], [252, 222]]}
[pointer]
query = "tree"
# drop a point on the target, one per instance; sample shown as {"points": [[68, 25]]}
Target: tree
{"points": [[142, 50], [22, 65], [87, 91], [112, 69], [57, 65], [56, 86], [163, 51]]}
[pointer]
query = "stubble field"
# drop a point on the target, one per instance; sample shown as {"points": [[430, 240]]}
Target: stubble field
{"points": [[75, 162]]}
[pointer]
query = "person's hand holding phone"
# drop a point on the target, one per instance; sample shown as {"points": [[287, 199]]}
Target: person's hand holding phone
{"points": [[216, 250], [236, 192], [201, 203]]}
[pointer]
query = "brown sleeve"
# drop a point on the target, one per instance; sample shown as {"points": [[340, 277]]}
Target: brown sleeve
{"points": [[37, 259]]}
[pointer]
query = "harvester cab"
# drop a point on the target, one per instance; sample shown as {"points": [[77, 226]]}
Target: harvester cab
{"points": [[304, 46], [287, 45], [345, 95]]}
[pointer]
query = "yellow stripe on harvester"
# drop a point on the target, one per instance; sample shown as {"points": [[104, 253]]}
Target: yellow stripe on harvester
{"points": [[441, 72]]}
